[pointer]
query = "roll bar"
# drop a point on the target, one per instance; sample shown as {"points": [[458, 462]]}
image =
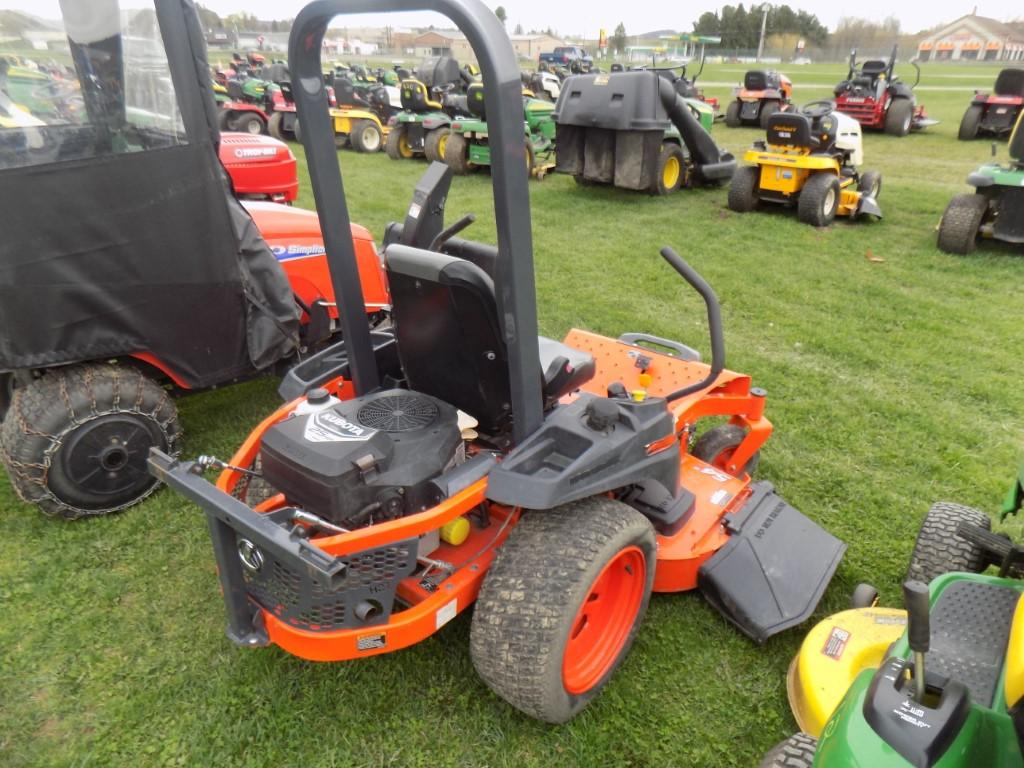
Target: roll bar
{"points": [[514, 278], [892, 62]]}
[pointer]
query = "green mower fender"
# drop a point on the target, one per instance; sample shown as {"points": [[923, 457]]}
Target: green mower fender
{"points": [[987, 736], [704, 113], [995, 175], [1015, 498]]}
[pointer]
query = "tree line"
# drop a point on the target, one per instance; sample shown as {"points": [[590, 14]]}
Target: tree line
{"points": [[740, 28]]}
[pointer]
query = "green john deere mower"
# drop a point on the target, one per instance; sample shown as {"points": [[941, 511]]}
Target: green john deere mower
{"points": [[467, 147], [995, 210]]}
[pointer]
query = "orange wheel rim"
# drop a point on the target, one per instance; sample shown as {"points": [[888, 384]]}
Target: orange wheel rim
{"points": [[604, 621]]}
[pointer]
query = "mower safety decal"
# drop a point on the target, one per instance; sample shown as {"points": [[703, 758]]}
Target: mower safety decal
{"points": [[371, 642], [446, 613], [836, 643], [329, 427]]}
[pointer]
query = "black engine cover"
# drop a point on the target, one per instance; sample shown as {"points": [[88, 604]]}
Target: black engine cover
{"points": [[382, 449]]}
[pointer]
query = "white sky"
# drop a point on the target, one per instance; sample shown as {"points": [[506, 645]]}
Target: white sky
{"points": [[586, 17]]}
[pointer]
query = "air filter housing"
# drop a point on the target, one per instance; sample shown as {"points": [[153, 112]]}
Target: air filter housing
{"points": [[366, 459]]}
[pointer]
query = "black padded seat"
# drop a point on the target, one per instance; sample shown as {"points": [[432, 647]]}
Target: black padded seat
{"points": [[475, 101], [346, 95], [416, 98], [450, 340], [873, 68], [791, 129], [1010, 83], [235, 92], [760, 80]]}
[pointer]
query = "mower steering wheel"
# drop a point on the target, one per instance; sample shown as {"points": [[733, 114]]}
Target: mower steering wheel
{"points": [[816, 109]]}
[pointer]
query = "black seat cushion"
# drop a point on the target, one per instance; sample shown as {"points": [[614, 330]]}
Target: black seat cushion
{"points": [[450, 341], [790, 129], [1010, 83], [873, 68], [760, 80], [475, 100]]}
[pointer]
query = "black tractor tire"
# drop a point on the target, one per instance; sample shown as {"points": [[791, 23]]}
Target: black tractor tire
{"points": [[6, 393], [583, 181], [224, 120], [864, 596], [297, 130], [744, 189], [670, 152], [717, 444], [76, 440], [393, 146], [768, 108], [971, 122], [274, 126], [435, 143], [899, 117], [456, 154], [254, 490], [366, 137], [938, 549], [795, 752], [732, 114], [250, 123], [530, 603], [958, 230], [870, 184], [819, 200]]}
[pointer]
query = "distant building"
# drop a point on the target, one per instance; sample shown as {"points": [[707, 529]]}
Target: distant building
{"points": [[973, 38], [444, 42]]}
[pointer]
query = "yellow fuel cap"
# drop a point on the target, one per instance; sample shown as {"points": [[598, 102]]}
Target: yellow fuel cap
{"points": [[455, 531]]}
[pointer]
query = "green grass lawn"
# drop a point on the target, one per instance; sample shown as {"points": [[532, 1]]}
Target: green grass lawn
{"points": [[892, 382]]}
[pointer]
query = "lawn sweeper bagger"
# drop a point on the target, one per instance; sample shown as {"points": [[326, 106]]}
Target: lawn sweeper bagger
{"points": [[939, 684], [633, 130], [157, 280], [458, 458]]}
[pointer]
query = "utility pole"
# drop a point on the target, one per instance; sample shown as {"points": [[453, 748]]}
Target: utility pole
{"points": [[764, 23]]}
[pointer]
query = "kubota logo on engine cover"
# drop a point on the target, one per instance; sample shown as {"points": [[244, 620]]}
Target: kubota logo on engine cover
{"points": [[329, 427]]}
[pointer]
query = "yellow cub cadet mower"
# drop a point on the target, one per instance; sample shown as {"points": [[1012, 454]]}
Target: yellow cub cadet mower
{"points": [[809, 160]]}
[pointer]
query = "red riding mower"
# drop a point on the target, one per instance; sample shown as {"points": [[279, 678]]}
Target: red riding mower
{"points": [[764, 93], [995, 113], [873, 96], [157, 281], [458, 458]]}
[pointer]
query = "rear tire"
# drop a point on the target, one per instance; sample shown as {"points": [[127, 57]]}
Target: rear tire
{"points": [[795, 752], [250, 124], [870, 184], [561, 605], [671, 170], [970, 122], [768, 108], [456, 154], [435, 143], [938, 549], [744, 188], [76, 440], [366, 137], [819, 200], [6, 393], [958, 230], [732, 114], [274, 126], [396, 148], [224, 121], [899, 117], [864, 596], [717, 445]]}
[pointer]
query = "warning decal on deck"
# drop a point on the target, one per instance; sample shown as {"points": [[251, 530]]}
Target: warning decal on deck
{"points": [[836, 643], [371, 642]]}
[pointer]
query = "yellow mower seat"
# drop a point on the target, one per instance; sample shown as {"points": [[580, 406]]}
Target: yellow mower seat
{"points": [[416, 97], [1014, 672]]}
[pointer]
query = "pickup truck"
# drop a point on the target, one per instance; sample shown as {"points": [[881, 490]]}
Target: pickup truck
{"points": [[565, 56]]}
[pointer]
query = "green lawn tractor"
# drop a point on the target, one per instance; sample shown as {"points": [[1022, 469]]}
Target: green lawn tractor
{"points": [[466, 147], [947, 692], [430, 101], [996, 208], [633, 130]]}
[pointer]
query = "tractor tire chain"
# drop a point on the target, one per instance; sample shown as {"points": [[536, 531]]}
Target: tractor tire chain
{"points": [[29, 478], [939, 549], [516, 641]]}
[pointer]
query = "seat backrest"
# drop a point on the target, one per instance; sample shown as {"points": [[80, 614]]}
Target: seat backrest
{"points": [[790, 129], [1013, 688], [475, 100], [416, 97], [449, 339], [872, 68], [235, 90], [1010, 83], [344, 91], [759, 80]]}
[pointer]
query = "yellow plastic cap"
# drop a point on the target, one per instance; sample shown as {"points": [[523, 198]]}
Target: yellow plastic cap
{"points": [[455, 531]]}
